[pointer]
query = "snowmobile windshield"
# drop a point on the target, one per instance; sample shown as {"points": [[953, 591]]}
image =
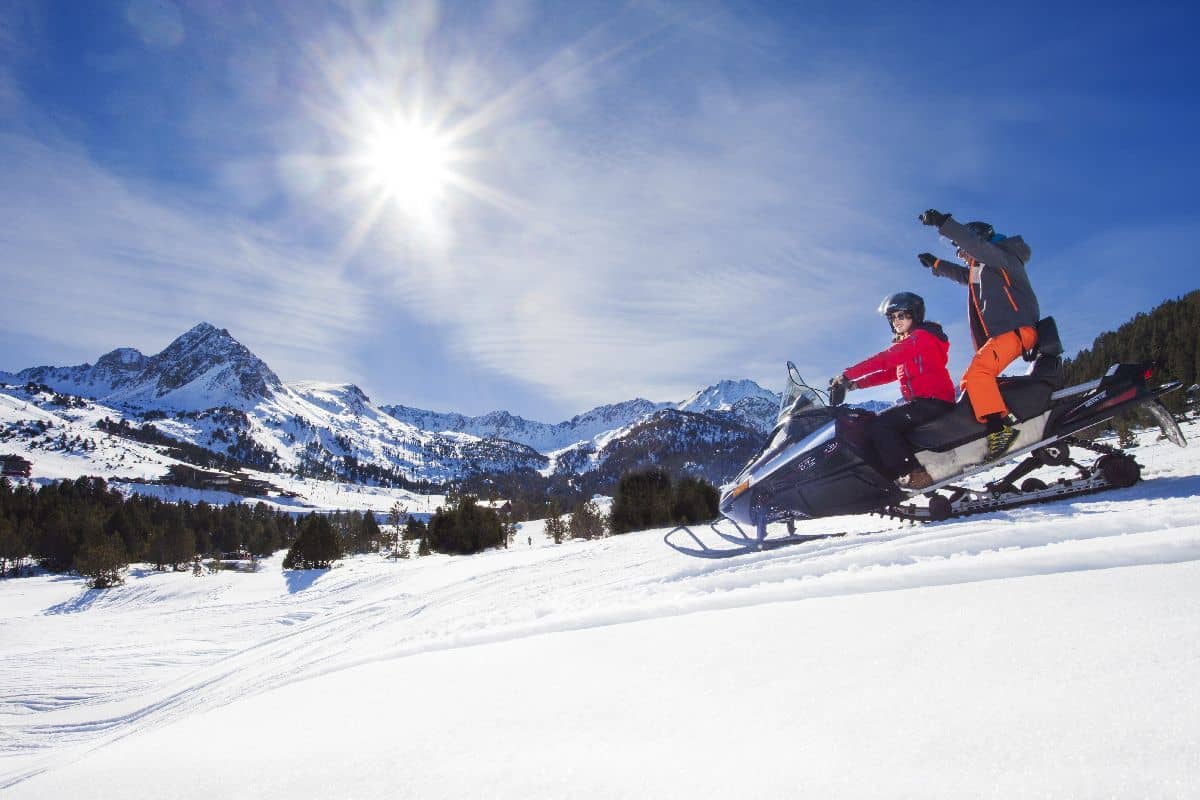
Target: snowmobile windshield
{"points": [[801, 411], [797, 396]]}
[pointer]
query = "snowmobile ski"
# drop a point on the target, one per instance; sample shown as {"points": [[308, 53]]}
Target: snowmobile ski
{"points": [[741, 543]]}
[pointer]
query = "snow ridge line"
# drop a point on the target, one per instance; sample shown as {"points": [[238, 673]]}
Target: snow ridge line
{"points": [[1136, 550]]}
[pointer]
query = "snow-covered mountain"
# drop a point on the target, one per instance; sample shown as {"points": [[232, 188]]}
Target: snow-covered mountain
{"points": [[712, 434], [207, 390], [713, 446], [726, 395], [204, 368], [742, 401], [541, 436]]}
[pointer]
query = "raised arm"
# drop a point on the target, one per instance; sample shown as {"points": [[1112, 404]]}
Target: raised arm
{"points": [[945, 269], [986, 252]]}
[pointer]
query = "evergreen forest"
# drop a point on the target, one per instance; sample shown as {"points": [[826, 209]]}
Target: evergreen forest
{"points": [[1168, 335]]}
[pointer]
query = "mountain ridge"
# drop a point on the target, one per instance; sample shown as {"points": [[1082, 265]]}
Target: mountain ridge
{"points": [[203, 368], [207, 390]]}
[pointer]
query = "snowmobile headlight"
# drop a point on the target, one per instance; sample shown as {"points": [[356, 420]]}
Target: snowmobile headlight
{"points": [[739, 489]]}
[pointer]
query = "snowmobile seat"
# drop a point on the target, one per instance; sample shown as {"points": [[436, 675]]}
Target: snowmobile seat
{"points": [[1026, 396], [1049, 343], [1049, 369]]}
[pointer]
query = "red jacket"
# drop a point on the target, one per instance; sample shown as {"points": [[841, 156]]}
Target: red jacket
{"points": [[918, 361]]}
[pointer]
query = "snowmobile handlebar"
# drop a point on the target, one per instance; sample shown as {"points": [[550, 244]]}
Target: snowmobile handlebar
{"points": [[837, 392]]}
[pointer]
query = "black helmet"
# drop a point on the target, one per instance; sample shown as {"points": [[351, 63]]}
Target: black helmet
{"points": [[903, 301], [983, 230]]}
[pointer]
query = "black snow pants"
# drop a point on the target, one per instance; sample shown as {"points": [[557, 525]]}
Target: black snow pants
{"points": [[888, 429]]}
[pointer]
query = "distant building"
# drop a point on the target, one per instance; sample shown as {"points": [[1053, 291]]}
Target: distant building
{"points": [[238, 483], [14, 466]]}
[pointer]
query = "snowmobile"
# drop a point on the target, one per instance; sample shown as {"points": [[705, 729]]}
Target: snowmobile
{"points": [[819, 460]]}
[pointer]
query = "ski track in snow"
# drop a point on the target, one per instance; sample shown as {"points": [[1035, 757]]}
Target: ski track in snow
{"points": [[166, 646]]}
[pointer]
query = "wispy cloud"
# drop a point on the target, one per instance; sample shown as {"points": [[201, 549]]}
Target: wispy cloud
{"points": [[85, 253], [651, 248], [650, 196]]}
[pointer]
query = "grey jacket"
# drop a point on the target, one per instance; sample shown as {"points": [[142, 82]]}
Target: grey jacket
{"points": [[1000, 298]]}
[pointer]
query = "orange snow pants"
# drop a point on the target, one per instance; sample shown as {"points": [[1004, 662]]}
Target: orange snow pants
{"points": [[980, 378]]}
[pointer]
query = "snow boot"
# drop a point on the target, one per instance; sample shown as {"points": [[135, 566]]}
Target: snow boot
{"points": [[919, 478], [1001, 435]]}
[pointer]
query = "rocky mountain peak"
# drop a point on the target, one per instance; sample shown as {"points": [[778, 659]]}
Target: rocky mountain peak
{"points": [[726, 394], [123, 360], [209, 352]]}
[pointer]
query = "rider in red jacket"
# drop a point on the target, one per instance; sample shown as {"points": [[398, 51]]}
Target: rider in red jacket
{"points": [[917, 359]]}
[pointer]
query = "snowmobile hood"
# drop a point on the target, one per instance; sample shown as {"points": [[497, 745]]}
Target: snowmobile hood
{"points": [[1017, 246]]}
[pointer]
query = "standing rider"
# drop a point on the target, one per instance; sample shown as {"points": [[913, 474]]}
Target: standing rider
{"points": [[917, 359], [1002, 309]]}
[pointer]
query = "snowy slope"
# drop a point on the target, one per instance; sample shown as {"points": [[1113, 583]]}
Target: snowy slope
{"points": [[63, 442], [1047, 651], [322, 429]]}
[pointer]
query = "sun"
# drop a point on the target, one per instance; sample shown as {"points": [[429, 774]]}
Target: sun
{"points": [[409, 164]]}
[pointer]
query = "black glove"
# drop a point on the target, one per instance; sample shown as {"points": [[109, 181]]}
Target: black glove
{"points": [[934, 218], [927, 259]]}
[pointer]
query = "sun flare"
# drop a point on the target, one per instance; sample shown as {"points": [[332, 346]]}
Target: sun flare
{"points": [[410, 164]]}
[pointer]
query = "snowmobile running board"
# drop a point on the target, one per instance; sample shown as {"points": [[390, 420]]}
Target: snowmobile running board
{"points": [[1114, 469], [742, 544], [964, 502]]}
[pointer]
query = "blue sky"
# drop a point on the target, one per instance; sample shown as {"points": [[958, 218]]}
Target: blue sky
{"points": [[620, 199]]}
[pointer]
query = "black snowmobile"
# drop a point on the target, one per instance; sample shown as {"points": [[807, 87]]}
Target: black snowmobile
{"points": [[819, 460]]}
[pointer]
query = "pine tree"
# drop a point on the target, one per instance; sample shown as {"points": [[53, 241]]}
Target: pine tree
{"points": [[156, 550], [643, 500], [371, 534], [396, 517], [587, 522], [59, 538], [464, 527], [316, 547], [101, 559], [694, 500], [415, 529], [556, 527], [180, 545], [13, 547]]}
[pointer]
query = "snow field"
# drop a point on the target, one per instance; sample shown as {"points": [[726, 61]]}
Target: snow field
{"points": [[1047, 650]]}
